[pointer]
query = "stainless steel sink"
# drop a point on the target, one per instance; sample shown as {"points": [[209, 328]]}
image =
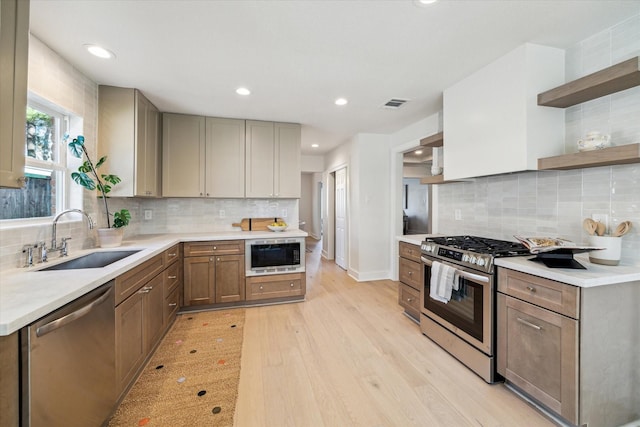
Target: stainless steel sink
{"points": [[92, 260]]}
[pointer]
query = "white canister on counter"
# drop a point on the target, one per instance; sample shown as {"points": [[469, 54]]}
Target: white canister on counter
{"points": [[610, 255]]}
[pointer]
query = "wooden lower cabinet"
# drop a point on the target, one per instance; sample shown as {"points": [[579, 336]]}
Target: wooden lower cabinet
{"points": [[214, 272], [411, 274], [572, 349], [152, 292], [276, 286]]}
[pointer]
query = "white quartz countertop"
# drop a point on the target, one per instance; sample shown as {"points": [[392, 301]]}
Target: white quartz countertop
{"points": [[415, 239], [28, 294], [594, 275]]}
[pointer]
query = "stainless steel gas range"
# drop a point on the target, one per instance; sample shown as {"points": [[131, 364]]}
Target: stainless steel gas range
{"points": [[463, 320]]}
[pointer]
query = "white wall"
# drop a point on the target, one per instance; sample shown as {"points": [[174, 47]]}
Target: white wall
{"points": [[305, 207], [312, 163]]}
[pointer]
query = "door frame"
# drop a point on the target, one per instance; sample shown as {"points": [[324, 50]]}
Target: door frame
{"points": [[329, 228]]}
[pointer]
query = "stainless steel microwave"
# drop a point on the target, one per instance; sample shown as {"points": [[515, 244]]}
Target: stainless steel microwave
{"points": [[274, 256]]}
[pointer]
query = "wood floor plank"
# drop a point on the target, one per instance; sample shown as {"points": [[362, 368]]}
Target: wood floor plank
{"points": [[348, 356]]}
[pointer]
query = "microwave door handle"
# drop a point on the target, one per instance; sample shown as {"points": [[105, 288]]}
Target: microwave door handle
{"points": [[463, 274]]}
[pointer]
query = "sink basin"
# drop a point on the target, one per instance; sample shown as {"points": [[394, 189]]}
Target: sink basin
{"points": [[93, 260]]}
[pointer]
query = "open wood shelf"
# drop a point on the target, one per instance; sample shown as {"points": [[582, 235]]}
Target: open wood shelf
{"points": [[613, 79], [436, 179], [622, 154], [436, 140]]}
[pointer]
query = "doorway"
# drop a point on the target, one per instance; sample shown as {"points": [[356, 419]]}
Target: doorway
{"points": [[341, 217]]}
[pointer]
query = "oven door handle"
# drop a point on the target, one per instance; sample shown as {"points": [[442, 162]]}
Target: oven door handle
{"points": [[460, 273]]}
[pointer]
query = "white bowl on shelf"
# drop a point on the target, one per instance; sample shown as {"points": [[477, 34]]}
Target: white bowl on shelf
{"points": [[277, 227]]}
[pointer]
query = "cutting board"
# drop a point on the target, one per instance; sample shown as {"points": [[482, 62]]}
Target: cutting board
{"points": [[255, 224]]}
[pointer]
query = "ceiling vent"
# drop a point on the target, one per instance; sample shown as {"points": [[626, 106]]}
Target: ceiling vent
{"points": [[395, 103]]}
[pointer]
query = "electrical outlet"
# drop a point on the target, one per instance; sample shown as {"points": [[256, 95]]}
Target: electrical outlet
{"points": [[222, 213], [603, 218], [457, 214], [148, 214], [284, 213]]}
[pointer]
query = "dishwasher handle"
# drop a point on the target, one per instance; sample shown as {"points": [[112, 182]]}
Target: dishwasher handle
{"points": [[65, 320]]}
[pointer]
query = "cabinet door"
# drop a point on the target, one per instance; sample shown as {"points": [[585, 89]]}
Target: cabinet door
{"points": [[183, 155], [153, 312], [225, 157], [14, 45], [199, 285], [130, 348], [538, 352], [229, 273], [147, 147], [287, 168], [259, 159]]}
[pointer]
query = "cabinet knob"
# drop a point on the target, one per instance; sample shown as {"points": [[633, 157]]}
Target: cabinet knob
{"points": [[261, 287], [201, 194], [531, 288], [409, 299], [172, 255], [291, 284], [411, 273], [211, 259], [215, 247], [207, 194], [173, 304], [217, 259], [172, 277]]}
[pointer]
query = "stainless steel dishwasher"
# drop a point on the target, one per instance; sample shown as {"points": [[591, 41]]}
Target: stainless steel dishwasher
{"points": [[68, 363]]}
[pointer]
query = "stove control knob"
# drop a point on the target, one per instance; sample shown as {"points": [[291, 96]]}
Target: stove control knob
{"points": [[481, 261], [465, 258], [472, 259]]}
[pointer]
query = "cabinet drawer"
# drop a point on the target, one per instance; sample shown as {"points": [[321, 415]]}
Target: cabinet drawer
{"points": [[132, 280], [407, 250], [409, 298], [275, 286], [171, 277], [174, 253], [171, 306], [549, 294], [222, 247], [411, 273]]}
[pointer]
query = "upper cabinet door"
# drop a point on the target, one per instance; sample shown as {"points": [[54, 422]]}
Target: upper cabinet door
{"points": [[183, 155], [492, 120], [287, 170], [225, 164], [128, 136], [14, 47], [259, 159]]}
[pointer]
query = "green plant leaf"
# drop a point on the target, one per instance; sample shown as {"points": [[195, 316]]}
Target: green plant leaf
{"points": [[83, 179], [85, 167], [121, 218], [104, 188], [113, 179], [101, 161], [75, 147]]}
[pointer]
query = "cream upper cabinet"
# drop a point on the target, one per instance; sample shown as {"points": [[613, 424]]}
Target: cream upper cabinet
{"points": [[128, 134], [14, 46], [492, 120], [225, 142], [202, 157], [272, 159], [183, 155]]}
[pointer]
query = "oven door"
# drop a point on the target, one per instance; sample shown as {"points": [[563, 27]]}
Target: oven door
{"points": [[469, 313]]}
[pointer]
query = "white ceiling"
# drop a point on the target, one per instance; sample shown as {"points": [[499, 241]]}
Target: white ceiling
{"points": [[297, 57]]}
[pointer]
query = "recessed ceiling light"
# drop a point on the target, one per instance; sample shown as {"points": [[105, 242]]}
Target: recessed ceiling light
{"points": [[243, 91], [423, 3], [341, 101], [99, 51], [314, 146], [418, 152]]}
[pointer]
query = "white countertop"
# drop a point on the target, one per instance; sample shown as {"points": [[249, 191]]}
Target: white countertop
{"points": [[28, 294], [594, 275], [415, 239]]}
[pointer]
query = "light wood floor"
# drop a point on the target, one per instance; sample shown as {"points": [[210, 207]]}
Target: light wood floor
{"points": [[347, 356]]}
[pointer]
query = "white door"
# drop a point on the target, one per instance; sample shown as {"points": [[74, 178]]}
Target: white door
{"points": [[341, 217]]}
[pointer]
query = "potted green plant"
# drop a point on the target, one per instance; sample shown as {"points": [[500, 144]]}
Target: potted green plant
{"points": [[87, 176]]}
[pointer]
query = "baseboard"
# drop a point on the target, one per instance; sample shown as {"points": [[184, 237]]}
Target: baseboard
{"points": [[368, 276]]}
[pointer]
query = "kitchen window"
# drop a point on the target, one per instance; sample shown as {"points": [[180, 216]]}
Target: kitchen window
{"points": [[44, 192]]}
